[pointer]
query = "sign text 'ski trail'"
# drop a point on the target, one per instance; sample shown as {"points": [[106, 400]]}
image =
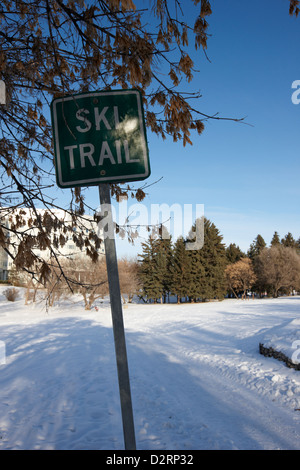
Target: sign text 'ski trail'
{"points": [[99, 137]]}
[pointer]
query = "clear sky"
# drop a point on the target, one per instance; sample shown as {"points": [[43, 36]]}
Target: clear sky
{"points": [[246, 176]]}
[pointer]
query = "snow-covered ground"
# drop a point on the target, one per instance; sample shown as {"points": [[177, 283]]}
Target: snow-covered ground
{"points": [[197, 378]]}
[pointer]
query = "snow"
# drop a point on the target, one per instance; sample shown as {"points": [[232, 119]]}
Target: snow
{"points": [[286, 341], [197, 378]]}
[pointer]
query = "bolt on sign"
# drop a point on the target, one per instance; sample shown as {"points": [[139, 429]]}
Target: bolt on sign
{"points": [[99, 137]]}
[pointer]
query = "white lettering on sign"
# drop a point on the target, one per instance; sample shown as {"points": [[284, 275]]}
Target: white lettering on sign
{"points": [[86, 151], [71, 155], [118, 149], [86, 154], [99, 118], [105, 153], [102, 119], [99, 137], [116, 116], [87, 123]]}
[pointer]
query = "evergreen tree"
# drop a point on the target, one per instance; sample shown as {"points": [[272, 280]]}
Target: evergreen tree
{"points": [[208, 266], [288, 241], [197, 276], [275, 240], [180, 270], [234, 253], [163, 261], [155, 263], [256, 247], [151, 288]]}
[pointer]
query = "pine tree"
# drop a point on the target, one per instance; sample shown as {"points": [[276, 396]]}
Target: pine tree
{"points": [[151, 287], [275, 240], [288, 241], [163, 261], [155, 263], [208, 266], [234, 253], [197, 276], [256, 247], [180, 270]]}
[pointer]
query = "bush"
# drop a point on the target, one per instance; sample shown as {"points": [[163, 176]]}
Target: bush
{"points": [[11, 294]]}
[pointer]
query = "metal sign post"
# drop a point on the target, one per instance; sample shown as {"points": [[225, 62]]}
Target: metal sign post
{"points": [[118, 325]]}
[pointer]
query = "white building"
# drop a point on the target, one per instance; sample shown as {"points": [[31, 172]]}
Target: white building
{"points": [[68, 250]]}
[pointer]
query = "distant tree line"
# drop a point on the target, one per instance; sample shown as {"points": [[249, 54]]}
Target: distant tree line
{"points": [[168, 269]]}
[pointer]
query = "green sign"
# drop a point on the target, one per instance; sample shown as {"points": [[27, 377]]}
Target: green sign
{"points": [[99, 137]]}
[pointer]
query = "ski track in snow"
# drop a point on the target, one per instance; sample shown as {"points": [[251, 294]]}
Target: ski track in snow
{"points": [[197, 378]]}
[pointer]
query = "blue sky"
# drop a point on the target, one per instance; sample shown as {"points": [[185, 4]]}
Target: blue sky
{"points": [[247, 176]]}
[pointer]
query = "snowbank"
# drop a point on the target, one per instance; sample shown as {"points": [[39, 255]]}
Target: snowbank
{"points": [[284, 344]]}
